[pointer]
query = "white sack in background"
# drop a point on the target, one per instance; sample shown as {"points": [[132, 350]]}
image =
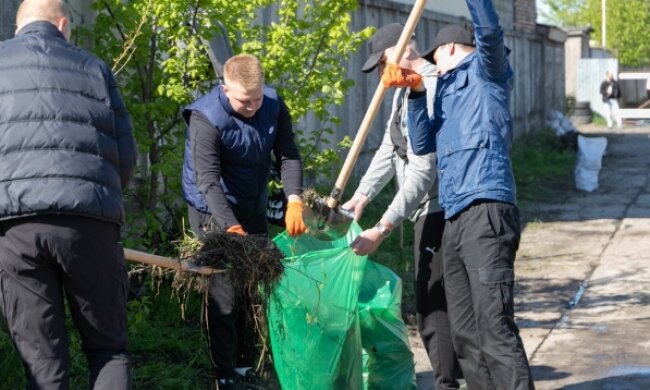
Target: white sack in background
{"points": [[589, 162]]}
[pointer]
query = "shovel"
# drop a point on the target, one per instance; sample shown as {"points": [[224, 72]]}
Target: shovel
{"points": [[324, 218], [219, 49], [166, 262]]}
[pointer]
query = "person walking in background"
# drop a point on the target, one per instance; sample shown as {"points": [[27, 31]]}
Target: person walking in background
{"points": [[417, 198], [611, 92], [232, 133], [66, 154], [471, 129]]}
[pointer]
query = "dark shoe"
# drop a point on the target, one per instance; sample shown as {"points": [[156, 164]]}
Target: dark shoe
{"points": [[250, 381], [225, 384]]}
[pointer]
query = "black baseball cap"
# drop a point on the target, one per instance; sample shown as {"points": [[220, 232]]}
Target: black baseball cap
{"points": [[462, 33], [385, 37]]}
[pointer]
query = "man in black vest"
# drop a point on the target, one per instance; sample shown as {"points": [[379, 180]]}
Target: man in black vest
{"points": [[611, 92], [66, 153], [232, 133], [417, 198]]}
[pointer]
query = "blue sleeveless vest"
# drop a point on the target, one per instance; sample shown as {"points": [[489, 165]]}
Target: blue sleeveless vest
{"points": [[246, 147]]}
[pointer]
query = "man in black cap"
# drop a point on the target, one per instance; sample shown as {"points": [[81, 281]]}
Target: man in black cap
{"points": [[471, 129], [456, 41], [417, 199]]}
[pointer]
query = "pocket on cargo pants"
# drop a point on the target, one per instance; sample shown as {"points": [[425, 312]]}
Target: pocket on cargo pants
{"points": [[500, 282]]}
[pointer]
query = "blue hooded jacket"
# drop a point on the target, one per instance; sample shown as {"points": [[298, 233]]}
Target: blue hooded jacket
{"points": [[471, 129]]}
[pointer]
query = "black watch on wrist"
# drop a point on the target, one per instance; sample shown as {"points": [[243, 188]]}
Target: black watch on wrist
{"points": [[383, 230]]}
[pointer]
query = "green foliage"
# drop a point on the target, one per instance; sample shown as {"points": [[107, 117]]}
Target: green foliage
{"points": [[11, 370], [302, 54], [168, 352], [571, 13], [156, 50], [628, 22]]}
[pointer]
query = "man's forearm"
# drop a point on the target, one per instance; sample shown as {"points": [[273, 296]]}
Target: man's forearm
{"points": [[420, 129]]}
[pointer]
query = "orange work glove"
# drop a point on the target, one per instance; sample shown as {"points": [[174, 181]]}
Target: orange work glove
{"points": [[293, 218], [236, 229], [394, 76]]}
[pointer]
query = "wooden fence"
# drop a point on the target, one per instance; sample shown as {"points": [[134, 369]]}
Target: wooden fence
{"points": [[538, 62], [537, 59]]}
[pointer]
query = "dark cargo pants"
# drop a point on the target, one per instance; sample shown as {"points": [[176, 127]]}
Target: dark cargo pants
{"points": [[479, 247], [430, 302], [41, 260], [231, 332]]}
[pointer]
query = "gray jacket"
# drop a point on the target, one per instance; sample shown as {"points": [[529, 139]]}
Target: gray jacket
{"points": [[417, 180]]}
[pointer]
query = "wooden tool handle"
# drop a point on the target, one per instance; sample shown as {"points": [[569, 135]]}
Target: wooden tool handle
{"points": [[166, 262], [364, 128]]}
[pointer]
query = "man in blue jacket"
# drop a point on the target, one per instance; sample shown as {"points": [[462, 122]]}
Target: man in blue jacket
{"points": [[471, 130], [66, 153], [232, 133]]}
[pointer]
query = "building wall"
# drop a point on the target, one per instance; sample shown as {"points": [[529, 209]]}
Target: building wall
{"points": [[575, 48], [525, 15], [590, 74]]}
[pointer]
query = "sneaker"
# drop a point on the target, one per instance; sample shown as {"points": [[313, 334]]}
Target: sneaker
{"points": [[226, 384], [251, 381], [248, 381]]}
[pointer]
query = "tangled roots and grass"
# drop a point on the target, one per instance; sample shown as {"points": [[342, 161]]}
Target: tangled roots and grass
{"points": [[310, 196], [253, 264], [253, 261]]}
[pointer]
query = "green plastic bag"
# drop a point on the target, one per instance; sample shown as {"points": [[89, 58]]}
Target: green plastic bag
{"points": [[331, 306], [313, 318], [387, 361]]}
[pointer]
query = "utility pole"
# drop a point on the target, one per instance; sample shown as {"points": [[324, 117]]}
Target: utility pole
{"points": [[604, 23]]}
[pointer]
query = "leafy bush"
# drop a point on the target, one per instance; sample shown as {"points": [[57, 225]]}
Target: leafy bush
{"points": [[302, 53]]}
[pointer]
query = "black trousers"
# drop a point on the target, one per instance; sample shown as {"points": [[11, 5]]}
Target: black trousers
{"points": [[46, 257], [430, 302], [479, 248], [231, 331]]}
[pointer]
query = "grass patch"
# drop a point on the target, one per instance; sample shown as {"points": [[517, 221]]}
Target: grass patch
{"points": [[541, 162], [597, 119]]}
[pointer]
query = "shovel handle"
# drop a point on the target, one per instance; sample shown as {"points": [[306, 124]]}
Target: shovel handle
{"points": [[166, 262], [364, 128]]}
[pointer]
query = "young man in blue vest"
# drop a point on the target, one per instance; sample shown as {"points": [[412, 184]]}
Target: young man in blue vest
{"points": [[232, 133], [471, 130], [417, 199]]}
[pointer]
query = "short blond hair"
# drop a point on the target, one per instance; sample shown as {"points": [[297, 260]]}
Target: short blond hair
{"points": [[245, 70], [49, 10]]}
